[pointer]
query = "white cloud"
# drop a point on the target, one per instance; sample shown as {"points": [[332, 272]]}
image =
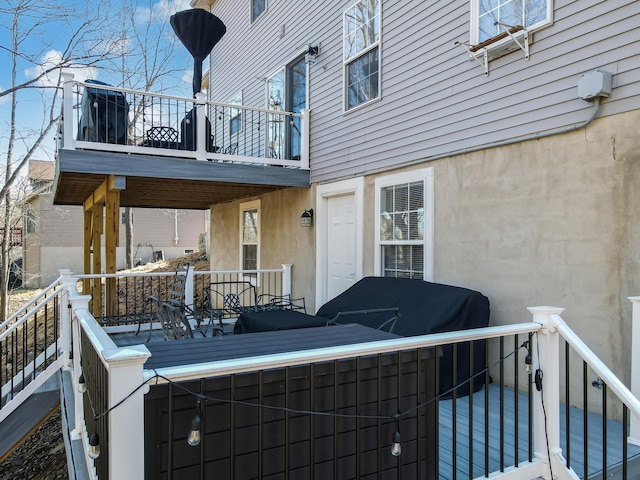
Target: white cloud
{"points": [[161, 10], [53, 58], [187, 76]]}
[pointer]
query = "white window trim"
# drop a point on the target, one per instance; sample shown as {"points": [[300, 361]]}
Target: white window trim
{"points": [[253, 205], [475, 25], [346, 62], [426, 175], [257, 19]]}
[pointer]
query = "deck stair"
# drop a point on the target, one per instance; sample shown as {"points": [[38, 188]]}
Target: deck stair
{"points": [[26, 419]]}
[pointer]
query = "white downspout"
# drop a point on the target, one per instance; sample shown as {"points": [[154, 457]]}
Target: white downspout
{"points": [[176, 238]]}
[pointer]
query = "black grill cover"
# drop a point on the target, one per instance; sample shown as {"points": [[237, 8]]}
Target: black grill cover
{"points": [[425, 308], [104, 116]]}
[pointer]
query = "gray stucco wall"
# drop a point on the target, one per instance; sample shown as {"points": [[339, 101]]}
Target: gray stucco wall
{"points": [[282, 238]]}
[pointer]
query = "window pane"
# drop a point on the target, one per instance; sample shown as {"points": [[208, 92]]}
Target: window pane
{"points": [[250, 226], [403, 261], [296, 101], [510, 12], [257, 7], [362, 79], [276, 127], [249, 257], [361, 27]]}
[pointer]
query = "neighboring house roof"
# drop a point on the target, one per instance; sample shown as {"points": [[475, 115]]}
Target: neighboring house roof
{"points": [[41, 170], [40, 175]]}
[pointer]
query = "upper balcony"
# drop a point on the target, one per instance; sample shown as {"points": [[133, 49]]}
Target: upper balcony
{"points": [[164, 146]]}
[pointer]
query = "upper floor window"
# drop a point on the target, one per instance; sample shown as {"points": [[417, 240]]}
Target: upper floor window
{"points": [[490, 18], [258, 7], [361, 53]]}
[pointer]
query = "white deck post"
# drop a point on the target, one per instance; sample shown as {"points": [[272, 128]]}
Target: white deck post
{"points": [[634, 431], [286, 279], [546, 358], [304, 140], [68, 125], [201, 119], [188, 287], [126, 421], [77, 302]]}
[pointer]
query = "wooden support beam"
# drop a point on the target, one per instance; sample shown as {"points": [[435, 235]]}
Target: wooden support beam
{"points": [[98, 219], [86, 253], [111, 243]]}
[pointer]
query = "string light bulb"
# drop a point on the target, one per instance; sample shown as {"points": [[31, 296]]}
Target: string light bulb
{"points": [[194, 437], [527, 363], [94, 446], [82, 384], [396, 448]]}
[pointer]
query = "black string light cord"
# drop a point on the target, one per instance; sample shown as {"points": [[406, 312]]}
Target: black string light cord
{"points": [[394, 417]]}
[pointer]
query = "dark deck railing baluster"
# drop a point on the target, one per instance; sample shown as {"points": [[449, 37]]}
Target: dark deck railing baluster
{"points": [[516, 407], [486, 410], [530, 402], [170, 433], [470, 384], [261, 424], [454, 413], [502, 438], [604, 430], [567, 404], [585, 419]]}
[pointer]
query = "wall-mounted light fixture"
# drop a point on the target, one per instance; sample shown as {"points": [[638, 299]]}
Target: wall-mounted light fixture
{"points": [[311, 54], [306, 219]]}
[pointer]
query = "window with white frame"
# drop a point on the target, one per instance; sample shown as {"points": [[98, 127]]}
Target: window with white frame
{"points": [[361, 52], [490, 18], [258, 7], [235, 114], [286, 92], [250, 235], [404, 221]]}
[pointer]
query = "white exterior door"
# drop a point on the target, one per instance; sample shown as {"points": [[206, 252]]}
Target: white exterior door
{"points": [[341, 244], [339, 237]]}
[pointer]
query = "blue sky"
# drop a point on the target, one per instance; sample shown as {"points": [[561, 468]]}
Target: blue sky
{"points": [[49, 38]]}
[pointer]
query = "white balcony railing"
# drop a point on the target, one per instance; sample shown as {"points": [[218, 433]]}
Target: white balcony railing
{"points": [[112, 119]]}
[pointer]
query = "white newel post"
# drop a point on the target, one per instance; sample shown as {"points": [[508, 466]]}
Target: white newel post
{"points": [[201, 119], [304, 140], [126, 421], [77, 302], [546, 357], [286, 279], [634, 431], [188, 287], [68, 125]]}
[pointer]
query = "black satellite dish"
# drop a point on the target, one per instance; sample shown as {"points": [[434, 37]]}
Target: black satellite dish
{"points": [[199, 31]]}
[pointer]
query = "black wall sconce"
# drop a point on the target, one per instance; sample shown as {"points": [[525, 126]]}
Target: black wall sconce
{"points": [[306, 219], [310, 54]]}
